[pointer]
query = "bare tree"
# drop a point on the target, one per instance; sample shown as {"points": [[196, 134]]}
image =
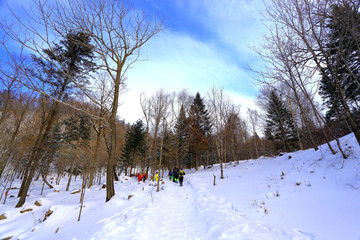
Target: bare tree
{"points": [[117, 32], [254, 118], [155, 109], [221, 108], [289, 64], [307, 21]]}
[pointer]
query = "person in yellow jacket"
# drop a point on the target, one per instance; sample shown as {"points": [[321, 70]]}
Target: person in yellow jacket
{"points": [[156, 177], [181, 176]]}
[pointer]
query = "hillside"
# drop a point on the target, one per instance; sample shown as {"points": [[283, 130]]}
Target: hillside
{"points": [[301, 195]]}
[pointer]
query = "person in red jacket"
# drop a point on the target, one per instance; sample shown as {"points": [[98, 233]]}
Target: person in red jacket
{"points": [[139, 177]]}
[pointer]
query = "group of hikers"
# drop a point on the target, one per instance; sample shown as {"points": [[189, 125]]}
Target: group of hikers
{"points": [[176, 175], [141, 177]]}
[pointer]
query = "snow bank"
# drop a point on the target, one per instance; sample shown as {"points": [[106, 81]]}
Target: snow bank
{"points": [[301, 195]]}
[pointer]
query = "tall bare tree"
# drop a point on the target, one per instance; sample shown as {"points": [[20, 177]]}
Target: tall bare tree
{"points": [[307, 21], [118, 32], [156, 108], [220, 108], [290, 63], [254, 118]]}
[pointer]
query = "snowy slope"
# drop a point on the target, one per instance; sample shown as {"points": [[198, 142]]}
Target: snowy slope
{"points": [[302, 195]]}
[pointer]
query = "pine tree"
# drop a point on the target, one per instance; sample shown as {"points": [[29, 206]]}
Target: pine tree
{"points": [[199, 129], [342, 71], [182, 136], [280, 125], [134, 144], [71, 59]]}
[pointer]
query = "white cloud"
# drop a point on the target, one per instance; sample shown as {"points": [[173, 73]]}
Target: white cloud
{"points": [[178, 61], [236, 23]]}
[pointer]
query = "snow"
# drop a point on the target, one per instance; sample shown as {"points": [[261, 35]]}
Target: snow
{"points": [[301, 195]]}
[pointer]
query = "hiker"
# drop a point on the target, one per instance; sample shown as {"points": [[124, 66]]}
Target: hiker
{"points": [[156, 177], [144, 177], [176, 175], [170, 174], [181, 176], [139, 177]]}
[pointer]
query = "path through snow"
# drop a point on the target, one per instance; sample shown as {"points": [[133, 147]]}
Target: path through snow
{"points": [[168, 214], [187, 212]]}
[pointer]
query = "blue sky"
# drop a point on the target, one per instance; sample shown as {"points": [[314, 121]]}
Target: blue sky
{"points": [[206, 43]]}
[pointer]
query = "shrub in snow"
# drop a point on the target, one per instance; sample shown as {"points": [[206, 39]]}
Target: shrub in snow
{"points": [[26, 210], [47, 214], [2, 216], [75, 191]]}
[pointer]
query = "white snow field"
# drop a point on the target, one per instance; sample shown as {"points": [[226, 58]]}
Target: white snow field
{"points": [[301, 195]]}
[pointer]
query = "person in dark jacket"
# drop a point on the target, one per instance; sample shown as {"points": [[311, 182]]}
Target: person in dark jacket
{"points": [[175, 175], [181, 176], [144, 177]]}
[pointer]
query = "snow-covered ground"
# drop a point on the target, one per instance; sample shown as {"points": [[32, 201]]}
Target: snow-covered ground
{"points": [[301, 195]]}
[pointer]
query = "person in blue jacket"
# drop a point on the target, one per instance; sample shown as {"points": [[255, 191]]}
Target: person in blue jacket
{"points": [[170, 174]]}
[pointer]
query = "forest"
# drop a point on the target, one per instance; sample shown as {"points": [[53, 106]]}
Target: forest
{"points": [[60, 92]]}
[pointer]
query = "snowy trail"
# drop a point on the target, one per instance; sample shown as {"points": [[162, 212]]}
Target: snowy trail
{"points": [[174, 215], [183, 213]]}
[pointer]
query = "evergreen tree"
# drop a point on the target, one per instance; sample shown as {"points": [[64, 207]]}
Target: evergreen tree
{"points": [[134, 144], [71, 61], [199, 129], [342, 66], [280, 125], [77, 129], [182, 136]]}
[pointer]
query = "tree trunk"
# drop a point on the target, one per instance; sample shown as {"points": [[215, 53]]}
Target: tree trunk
{"points": [[161, 153], [39, 143], [110, 190], [70, 176], [44, 179], [220, 156], [95, 155], [82, 195]]}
